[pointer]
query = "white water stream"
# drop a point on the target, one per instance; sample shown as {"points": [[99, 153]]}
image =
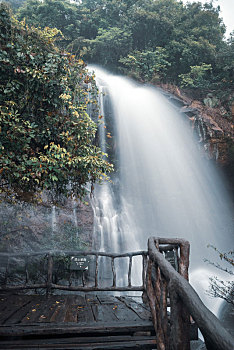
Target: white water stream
{"points": [[162, 185]]}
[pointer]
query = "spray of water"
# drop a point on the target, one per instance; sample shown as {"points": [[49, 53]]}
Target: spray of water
{"points": [[165, 187]]}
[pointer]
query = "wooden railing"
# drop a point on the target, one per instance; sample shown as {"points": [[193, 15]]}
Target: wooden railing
{"points": [[51, 257], [163, 281], [173, 301]]}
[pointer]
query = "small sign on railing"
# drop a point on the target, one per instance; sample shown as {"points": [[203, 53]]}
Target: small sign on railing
{"points": [[79, 263]]}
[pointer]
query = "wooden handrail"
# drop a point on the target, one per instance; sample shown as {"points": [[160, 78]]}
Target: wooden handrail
{"points": [[49, 285], [182, 295], [73, 252], [159, 280]]}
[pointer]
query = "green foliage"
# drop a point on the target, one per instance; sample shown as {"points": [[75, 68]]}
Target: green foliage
{"points": [[46, 134], [15, 4], [197, 78], [109, 44], [147, 65], [110, 31], [54, 14]]}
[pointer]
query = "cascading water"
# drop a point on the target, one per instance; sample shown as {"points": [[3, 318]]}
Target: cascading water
{"points": [[164, 186], [53, 219]]}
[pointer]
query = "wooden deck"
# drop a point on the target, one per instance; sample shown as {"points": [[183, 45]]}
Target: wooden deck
{"points": [[78, 321]]}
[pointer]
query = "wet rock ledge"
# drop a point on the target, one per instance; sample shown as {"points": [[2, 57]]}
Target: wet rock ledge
{"points": [[215, 131]]}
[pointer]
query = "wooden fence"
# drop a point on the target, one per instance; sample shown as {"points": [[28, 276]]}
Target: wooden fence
{"points": [[163, 281], [173, 302], [51, 257]]}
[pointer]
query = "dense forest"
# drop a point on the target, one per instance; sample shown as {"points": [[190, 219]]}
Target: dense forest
{"points": [[47, 136], [44, 85], [153, 41]]}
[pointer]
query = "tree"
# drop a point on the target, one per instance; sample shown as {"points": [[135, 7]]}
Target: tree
{"points": [[219, 288], [110, 31], [109, 46], [197, 78], [147, 65], [15, 4], [59, 14], [47, 137], [152, 22]]}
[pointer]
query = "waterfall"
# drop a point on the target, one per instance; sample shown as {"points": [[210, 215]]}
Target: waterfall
{"points": [[162, 185], [53, 220], [74, 213]]}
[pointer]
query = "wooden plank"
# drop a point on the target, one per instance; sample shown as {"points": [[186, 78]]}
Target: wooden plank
{"points": [[77, 340], [130, 345], [125, 314], [108, 299], [138, 299], [10, 304], [75, 303], [137, 308], [104, 313], [85, 314], [81, 328], [3, 299], [71, 313], [43, 309], [78, 299], [19, 314], [82, 343], [91, 299], [13, 305], [59, 311]]}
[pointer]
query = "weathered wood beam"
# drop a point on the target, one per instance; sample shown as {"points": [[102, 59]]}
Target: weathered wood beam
{"points": [[73, 252], [75, 328], [130, 272], [144, 267], [215, 335], [113, 271], [151, 293], [96, 272], [49, 274], [74, 288]]}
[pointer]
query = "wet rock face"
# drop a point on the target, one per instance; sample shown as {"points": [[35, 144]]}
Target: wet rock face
{"points": [[215, 132], [28, 227]]}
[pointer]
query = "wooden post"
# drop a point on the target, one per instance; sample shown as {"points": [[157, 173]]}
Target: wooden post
{"points": [[130, 271], [113, 271], [151, 293], [49, 274], [179, 322], [144, 265], [184, 259], [96, 272], [164, 311]]}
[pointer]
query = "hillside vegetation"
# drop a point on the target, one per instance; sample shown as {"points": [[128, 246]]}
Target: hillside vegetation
{"points": [[47, 136], [151, 40]]}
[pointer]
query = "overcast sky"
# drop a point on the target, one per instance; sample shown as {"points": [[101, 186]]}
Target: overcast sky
{"points": [[227, 12]]}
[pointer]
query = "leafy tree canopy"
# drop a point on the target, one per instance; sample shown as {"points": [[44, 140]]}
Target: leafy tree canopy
{"points": [[150, 64], [54, 14], [47, 137], [109, 31]]}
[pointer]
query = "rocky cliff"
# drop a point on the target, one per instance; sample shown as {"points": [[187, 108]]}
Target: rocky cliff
{"points": [[215, 130]]}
